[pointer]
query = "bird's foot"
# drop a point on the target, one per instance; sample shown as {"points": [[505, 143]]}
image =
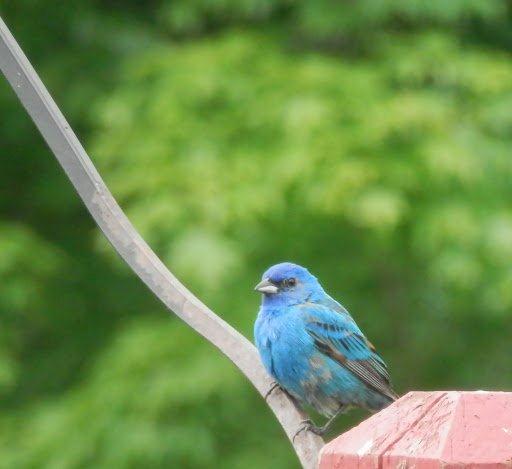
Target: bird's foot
{"points": [[303, 427], [273, 386], [308, 426]]}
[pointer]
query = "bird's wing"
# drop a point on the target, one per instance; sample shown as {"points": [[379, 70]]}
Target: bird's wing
{"points": [[338, 337]]}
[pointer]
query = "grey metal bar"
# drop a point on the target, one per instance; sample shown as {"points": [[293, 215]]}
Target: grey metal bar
{"points": [[133, 249]]}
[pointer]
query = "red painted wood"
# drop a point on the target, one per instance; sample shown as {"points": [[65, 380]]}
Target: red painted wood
{"points": [[426, 430]]}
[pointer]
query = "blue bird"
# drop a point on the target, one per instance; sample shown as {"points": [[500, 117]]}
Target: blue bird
{"points": [[313, 348]]}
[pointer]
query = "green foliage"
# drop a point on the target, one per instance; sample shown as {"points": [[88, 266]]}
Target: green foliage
{"points": [[367, 140]]}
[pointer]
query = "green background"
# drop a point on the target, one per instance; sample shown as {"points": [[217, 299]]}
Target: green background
{"points": [[369, 141]]}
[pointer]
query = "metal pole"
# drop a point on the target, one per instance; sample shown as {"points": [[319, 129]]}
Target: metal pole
{"points": [[133, 249]]}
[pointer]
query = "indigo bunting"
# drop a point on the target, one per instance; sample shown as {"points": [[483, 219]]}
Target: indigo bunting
{"points": [[313, 348]]}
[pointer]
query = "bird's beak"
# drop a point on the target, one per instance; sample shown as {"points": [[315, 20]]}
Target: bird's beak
{"points": [[266, 286]]}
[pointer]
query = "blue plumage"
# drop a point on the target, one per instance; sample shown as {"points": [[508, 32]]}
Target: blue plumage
{"points": [[313, 348]]}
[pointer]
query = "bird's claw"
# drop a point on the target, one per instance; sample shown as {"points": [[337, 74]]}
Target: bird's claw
{"points": [[274, 385], [306, 426], [320, 431]]}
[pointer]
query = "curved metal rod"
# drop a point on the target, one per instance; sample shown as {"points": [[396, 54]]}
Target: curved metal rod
{"points": [[133, 249]]}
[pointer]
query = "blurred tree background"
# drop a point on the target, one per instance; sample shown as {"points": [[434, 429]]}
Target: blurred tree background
{"points": [[370, 141]]}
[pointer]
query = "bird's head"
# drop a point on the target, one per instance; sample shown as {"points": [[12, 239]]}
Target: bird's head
{"points": [[288, 284]]}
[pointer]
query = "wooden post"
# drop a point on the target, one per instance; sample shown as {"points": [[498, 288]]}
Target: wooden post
{"points": [[426, 430]]}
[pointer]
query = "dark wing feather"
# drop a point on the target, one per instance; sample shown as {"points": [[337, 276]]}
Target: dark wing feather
{"points": [[353, 351]]}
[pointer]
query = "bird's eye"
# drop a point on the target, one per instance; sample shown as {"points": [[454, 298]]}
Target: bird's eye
{"points": [[290, 282]]}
